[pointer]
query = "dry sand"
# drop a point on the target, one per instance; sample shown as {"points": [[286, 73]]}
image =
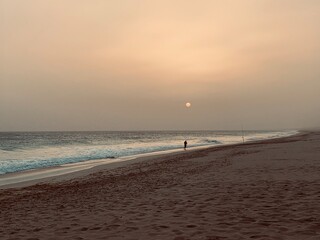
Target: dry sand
{"points": [[264, 190]]}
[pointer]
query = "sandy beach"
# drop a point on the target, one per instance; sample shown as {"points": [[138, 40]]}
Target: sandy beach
{"points": [[260, 190]]}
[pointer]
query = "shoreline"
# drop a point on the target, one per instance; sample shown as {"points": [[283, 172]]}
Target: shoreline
{"points": [[79, 169], [72, 170]]}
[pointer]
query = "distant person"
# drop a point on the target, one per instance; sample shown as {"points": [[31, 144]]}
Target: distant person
{"points": [[185, 144]]}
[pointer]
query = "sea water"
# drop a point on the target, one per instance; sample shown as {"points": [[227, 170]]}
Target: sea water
{"points": [[21, 151]]}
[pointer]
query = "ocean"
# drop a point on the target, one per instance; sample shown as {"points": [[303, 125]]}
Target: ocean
{"points": [[20, 151]]}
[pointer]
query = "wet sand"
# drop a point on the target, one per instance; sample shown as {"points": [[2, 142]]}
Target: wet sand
{"points": [[262, 190]]}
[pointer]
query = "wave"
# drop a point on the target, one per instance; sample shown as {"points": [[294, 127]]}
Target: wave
{"points": [[212, 141]]}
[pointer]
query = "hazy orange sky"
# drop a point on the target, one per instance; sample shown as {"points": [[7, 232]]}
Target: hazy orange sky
{"points": [[132, 65]]}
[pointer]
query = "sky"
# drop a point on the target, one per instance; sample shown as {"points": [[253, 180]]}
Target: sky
{"points": [[133, 64]]}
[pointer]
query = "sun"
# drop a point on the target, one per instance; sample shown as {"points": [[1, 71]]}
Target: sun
{"points": [[188, 104]]}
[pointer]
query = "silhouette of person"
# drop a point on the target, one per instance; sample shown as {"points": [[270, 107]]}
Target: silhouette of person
{"points": [[185, 144]]}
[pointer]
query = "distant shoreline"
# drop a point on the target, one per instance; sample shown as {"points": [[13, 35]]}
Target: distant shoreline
{"points": [[72, 170]]}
